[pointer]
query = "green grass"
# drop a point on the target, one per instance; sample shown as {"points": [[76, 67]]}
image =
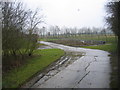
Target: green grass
{"points": [[108, 38], [107, 47], [34, 65]]}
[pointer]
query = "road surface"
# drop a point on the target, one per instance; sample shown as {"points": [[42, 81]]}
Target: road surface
{"points": [[92, 70]]}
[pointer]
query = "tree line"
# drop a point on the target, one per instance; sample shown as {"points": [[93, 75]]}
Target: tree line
{"points": [[66, 32]]}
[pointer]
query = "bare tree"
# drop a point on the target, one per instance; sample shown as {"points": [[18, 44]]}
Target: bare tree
{"points": [[19, 37], [33, 21], [13, 21]]}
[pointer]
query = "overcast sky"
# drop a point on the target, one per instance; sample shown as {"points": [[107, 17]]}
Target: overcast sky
{"points": [[71, 13]]}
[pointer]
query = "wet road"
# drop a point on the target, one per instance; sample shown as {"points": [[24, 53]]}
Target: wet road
{"points": [[92, 70]]}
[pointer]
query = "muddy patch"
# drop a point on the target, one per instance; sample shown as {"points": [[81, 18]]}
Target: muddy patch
{"points": [[45, 47], [77, 42], [54, 68]]}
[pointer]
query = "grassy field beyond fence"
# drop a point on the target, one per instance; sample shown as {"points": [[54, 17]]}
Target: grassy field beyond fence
{"points": [[107, 38]]}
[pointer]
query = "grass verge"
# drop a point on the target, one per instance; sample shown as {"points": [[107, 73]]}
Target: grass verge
{"points": [[106, 47], [18, 76]]}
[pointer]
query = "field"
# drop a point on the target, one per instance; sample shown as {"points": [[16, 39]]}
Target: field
{"points": [[18, 76], [78, 40]]}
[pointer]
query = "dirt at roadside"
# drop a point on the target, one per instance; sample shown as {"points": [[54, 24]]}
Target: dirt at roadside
{"points": [[54, 68]]}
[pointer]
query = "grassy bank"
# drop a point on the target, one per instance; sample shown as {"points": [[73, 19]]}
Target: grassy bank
{"points": [[106, 47], [20, 75]]}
